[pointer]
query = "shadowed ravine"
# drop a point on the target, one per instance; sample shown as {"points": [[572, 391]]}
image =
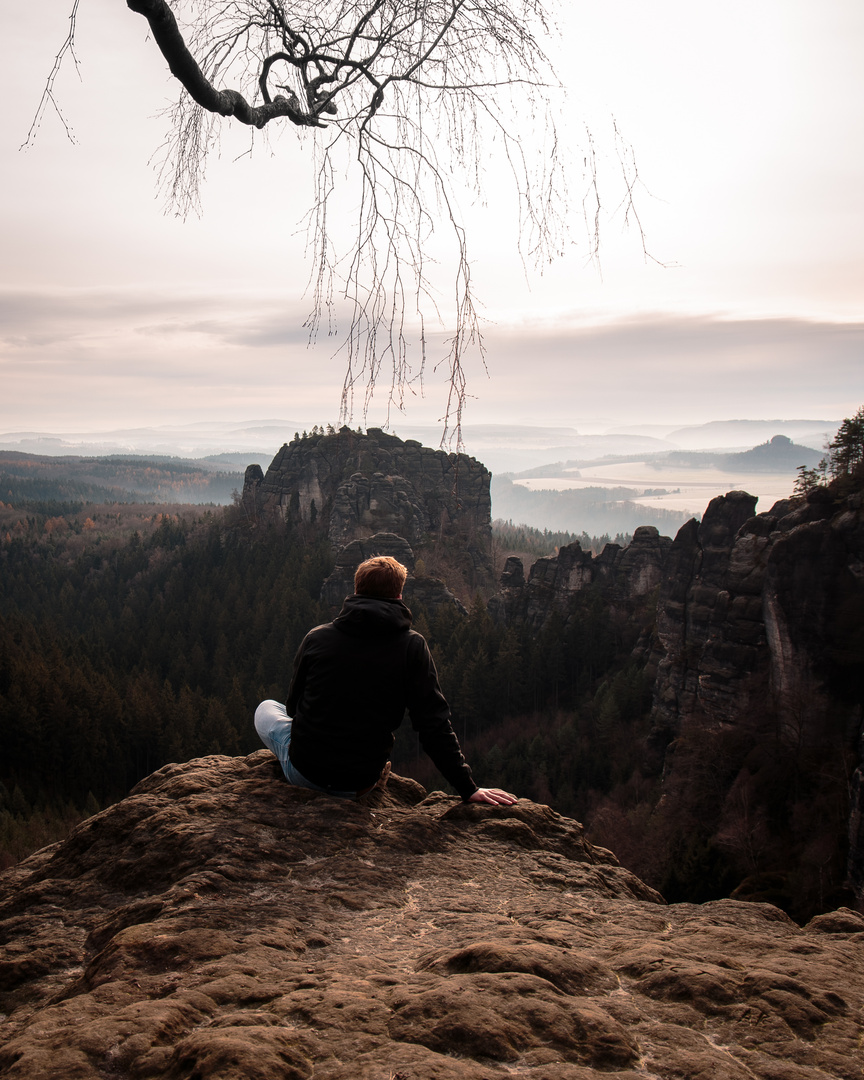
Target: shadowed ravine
{"points": [[219, 923]]}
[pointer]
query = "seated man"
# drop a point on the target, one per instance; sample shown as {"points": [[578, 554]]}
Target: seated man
{"points": [[353, 680]]}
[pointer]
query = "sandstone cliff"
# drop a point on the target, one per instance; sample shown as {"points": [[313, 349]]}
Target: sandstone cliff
{"points": [[219, 923], [762, 616], [350, 486], [753, 624], [623, 576]]}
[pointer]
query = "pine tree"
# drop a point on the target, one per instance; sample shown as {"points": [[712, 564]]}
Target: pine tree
{"points": [[846, 449]]}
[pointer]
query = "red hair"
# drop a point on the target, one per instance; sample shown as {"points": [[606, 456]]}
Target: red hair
{"points": [[381, 576]]}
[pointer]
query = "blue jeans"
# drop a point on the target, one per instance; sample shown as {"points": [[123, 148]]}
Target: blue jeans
{"points": [[273, 725]]}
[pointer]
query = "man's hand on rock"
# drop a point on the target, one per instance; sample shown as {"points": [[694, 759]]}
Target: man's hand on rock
{"points": [[493, 795]]}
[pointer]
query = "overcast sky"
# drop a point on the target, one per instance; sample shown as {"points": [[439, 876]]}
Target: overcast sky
{"points": [[747, 121]]}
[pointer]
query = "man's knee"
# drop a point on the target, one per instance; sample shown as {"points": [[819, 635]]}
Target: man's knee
{"points": [[268, 716]]}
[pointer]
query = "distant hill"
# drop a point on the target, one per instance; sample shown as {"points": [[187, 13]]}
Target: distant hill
{"points": [[502, 447], [778, 454], [261, 437], [720, 433], [118, 478], [594, 510], [236, 459]]}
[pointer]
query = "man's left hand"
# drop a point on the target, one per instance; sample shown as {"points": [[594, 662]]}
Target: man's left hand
{"points": [[493, 795]]}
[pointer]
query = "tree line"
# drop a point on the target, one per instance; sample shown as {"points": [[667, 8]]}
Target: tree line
{"points": [[843, 461]]}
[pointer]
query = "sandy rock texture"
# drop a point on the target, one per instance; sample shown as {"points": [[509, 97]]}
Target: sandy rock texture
{"points": [[219, 923]]}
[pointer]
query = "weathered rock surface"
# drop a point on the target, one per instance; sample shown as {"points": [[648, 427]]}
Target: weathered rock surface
{"points": [[219, 923], [753, 601], [709, 616], [744, 618], [622, 576], [766, 611], [373, 483]]}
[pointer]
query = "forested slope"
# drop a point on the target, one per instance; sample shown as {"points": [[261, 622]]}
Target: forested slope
{"points": [[26, 478], [123, 650], [119, 657]]}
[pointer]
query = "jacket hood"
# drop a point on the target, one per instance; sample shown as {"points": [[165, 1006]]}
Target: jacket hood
{"points": [[368, 615]]}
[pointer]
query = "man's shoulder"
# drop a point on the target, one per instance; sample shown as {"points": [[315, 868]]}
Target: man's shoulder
{"points": [[416, 642]]}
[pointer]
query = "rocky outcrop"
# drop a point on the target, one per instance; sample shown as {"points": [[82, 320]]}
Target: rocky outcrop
{"points": [[761, 616], [219, 923], [749, 622], [432, 593], [622, 576], [709, 621], [750, 603], [250, 499], [353, 485]]}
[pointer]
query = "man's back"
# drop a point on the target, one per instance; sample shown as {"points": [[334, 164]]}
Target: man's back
{"points": [[353, 680]]}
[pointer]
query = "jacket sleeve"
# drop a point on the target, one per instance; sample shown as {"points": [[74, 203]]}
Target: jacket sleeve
{"points": [[295, 690], [430, 718]]}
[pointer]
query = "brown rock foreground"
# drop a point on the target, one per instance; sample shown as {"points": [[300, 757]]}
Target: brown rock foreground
{"points": [[219, 923]]}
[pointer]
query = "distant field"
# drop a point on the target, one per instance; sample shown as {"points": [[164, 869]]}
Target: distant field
{"points": [[688, 490]]}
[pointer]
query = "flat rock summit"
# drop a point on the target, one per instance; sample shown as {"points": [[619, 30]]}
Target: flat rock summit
{"points": [[219, 923]]}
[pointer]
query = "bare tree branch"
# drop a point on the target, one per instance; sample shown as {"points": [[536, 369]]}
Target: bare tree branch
{"points": [[184, 68], [48, 98], [402, 97]]}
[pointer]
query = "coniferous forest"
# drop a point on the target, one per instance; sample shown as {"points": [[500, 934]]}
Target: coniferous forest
{"points": [[130, 638], [118, 656]]}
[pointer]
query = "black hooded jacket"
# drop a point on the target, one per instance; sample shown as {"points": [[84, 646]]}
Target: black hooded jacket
{"points": [[353, 680]]}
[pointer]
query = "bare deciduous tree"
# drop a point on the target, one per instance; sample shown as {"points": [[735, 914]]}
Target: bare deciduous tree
{"points": [[402, 98]]}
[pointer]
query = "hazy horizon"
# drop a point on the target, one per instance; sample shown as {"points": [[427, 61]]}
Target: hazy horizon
{"points": [[602, 494]]}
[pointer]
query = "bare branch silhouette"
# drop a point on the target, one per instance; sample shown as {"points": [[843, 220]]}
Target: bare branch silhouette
{"points": [[400, 101]]}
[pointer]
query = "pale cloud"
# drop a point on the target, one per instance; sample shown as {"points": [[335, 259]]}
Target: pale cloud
{"points": [[77, 358], [668, 367], [119, 354], [37, 319]]}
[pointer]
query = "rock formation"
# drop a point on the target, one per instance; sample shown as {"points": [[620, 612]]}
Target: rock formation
{"points": [[763, 614], [749, 602], [219, 923], [250, 498], [351, 485], [709, 616], [757, 615], [622, 575]]}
